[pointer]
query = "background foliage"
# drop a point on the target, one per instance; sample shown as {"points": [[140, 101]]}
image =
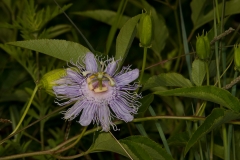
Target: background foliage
{"points": [[188, 111]]}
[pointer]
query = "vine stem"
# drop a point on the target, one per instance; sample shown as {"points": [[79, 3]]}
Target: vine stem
{"points": [[143, 64], [26, 110], [52, 151]]}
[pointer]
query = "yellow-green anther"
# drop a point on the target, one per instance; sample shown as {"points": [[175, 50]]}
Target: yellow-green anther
{"points": [[203, 47], [237, 57], [111, 81], [48, 80], [85, 73], [145, 30]]}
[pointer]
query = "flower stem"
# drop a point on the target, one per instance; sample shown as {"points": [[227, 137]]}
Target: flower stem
{"points": [[26, 110], [143, 64]]}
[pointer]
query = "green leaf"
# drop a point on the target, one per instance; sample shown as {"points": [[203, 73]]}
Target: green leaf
{"points": [[218, 117], [218, 151], [167, 79], [105, 142], [207, 93], [200, 17], [105, 16], [179, 139], [146, 101], [154, 150], [61, 49], [125, 38], [138, 147], [160, 31], [198, 72]]}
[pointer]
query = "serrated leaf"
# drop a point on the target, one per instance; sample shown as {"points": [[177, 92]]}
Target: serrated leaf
{"points": [[218, 117], [207, 93], [125, 38], [154, 150], [199, 17], [105, 16], [167, 79], [146, 101], [61, 49], [198, 71]]}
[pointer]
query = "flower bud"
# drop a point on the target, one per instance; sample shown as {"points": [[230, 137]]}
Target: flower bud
{"points": [[203, 47], [48, 80], [237, 57], [145, 30]]}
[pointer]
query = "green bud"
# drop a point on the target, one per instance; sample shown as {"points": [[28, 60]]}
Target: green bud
{"points": [[145, 30], [203, 47], [237, 57], [48, 80]]}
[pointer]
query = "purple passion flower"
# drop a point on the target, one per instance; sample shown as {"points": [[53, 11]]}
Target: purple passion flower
{"points": [[99, 92]]}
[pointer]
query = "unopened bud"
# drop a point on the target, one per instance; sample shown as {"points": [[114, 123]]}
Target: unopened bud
{"points": [[48, 80], [203, 47], [145, 30], [237, 57]]}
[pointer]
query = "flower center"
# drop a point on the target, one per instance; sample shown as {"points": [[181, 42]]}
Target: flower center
{"points": [[95, 82]]}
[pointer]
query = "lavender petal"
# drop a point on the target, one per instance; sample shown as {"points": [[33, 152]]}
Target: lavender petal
{"points": [[90, 61], [127, 77]]}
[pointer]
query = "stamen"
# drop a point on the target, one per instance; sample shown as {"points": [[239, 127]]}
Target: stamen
{"points": [[85, 73], [111, 81]]}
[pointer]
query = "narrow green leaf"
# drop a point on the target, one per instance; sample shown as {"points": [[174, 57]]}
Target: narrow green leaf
{"points": [[146, 101], [218, 117], [105, 16], [200, 16], [198, 71], [61, 49], [207, 93], [167, 79], [125, 38], [185, 41]]}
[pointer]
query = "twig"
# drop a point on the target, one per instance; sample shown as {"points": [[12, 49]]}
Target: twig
{"points": [[222, 35], [235, 81]]}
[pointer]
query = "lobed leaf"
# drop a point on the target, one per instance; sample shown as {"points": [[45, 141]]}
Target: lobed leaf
{"points": [[207, 93], [61, 49]]}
